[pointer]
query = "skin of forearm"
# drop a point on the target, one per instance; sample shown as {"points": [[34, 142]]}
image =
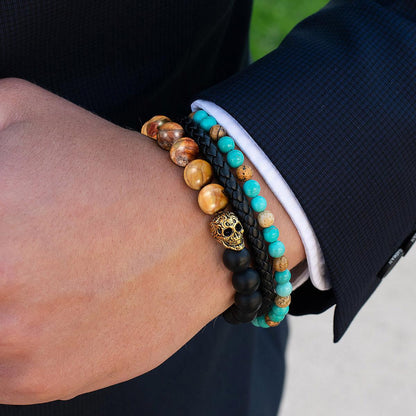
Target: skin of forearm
{"points": [[106, 263]]}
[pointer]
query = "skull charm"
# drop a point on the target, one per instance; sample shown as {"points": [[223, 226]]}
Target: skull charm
{"points": [[227, 229]]}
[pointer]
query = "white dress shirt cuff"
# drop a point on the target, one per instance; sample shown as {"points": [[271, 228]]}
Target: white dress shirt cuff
{"points": [[315, 265]]}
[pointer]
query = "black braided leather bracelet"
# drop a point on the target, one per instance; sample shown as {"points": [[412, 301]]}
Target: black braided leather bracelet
{"points": [[241, 208]]}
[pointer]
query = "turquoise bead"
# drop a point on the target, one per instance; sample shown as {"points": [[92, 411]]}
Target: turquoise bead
{"points": [[276, 249], [271, 234], [278, 314], [254, 322], [282, 277], [199, 115], [259, 203], [276, 318], [284, 290], [226, 144], [235, 158], [251, 188], [207, 122], [261, 322]]}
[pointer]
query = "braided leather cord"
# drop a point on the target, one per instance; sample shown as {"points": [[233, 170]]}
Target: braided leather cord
{"points": [[241, 208]]}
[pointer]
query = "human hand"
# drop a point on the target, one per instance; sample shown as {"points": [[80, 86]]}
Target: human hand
{"points": [[106, 263]]}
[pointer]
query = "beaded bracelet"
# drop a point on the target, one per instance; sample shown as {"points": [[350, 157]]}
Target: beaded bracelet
{"points": [[225, 226], [240, 206], [251, 188]]}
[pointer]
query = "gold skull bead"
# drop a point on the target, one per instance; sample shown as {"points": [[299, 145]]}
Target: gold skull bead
{"points": [[227, 229]]}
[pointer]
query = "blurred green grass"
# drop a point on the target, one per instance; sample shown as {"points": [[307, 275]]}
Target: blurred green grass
{"points": [[273, 19]]}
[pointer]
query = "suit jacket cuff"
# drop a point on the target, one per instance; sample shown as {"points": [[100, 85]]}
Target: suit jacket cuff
{"points": [[315, 267], [333, 107]]}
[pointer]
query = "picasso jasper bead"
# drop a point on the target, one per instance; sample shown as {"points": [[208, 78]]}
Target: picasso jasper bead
{"points": [[271, 323], [168, 134], [244, 173], [265, 219], [197, 174], [280, 264], [151, 127], [184, 151], [282, 301], [211, 198], [216, 132]]}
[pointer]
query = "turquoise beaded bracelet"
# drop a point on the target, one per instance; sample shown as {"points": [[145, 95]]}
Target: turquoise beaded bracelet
{"points": [[251, 188]]}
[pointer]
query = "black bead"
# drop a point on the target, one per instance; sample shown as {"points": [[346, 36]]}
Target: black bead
{"points": [[242, 316], [248, 303], [236, 260], [246, 282], [229, 317]]}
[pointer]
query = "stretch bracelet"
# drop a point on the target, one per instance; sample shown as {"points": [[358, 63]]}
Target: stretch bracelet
{"points": [[225, 226], [240, 205], [251, 188]]}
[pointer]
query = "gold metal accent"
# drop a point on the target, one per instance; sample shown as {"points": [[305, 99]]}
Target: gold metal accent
{"points": [[227, 229]]}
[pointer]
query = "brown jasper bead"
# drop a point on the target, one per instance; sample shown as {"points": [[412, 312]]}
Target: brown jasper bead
{"points": [[282, 302], [265, 219], [184, 151], [244, 173], [216, 132], [191, 115], [168, 134], [151, 127], [211, 198], [280, 264], [270, 322], [197, 174]]}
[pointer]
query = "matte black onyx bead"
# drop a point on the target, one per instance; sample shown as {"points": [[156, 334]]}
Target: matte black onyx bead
{"points": [[229, 316], [236, 260], [248, 303], [243, 316], [246, 282]]}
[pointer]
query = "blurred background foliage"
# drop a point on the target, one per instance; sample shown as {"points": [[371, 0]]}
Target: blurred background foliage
{"points": [[273, 19]]}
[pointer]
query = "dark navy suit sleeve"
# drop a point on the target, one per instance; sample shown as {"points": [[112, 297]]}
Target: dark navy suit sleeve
{"points": [[334, 108]]}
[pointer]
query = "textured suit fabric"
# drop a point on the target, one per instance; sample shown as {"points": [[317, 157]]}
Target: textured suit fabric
{"points": [[334, 108], [124, 60]]}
